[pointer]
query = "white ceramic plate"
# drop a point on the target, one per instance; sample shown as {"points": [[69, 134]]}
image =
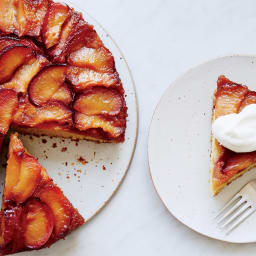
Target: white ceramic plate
{"points": [[88, 186], [179, 148]]}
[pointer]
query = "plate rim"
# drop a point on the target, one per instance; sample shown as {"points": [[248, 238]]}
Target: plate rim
{"points": [[148, 147], [137, 115]]}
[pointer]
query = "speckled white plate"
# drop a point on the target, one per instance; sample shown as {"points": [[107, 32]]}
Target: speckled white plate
{"points": [[179, 148], [89, 186]]}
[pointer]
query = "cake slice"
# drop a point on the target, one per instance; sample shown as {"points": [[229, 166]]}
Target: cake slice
{"points": [[35, 213], [226, 165]]}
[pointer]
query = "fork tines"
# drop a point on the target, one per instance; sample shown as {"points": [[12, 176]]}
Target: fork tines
{"points": [[240, 207]]}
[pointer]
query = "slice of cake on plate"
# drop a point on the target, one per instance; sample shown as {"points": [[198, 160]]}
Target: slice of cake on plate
{"points": [[230, 163], [35, 213]]}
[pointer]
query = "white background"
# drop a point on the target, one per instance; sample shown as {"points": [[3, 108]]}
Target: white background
{"points": [[161, 39]]}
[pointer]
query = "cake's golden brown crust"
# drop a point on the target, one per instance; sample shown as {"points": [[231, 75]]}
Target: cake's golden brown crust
{"points": [[225, 165], [50, 59], [35, 213]]}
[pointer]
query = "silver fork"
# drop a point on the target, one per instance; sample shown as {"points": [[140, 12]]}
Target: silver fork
{"points": [[240, 207]]}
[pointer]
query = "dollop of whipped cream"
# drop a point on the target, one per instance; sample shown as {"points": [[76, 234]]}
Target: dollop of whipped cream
{"points": [[237, 132]]}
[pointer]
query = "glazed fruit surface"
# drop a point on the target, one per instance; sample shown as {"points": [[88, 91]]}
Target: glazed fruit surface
{"points": [[35, 213], [60, 71]]}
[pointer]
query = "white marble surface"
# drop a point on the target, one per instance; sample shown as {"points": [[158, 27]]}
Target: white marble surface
{"points": [[161, 39]]}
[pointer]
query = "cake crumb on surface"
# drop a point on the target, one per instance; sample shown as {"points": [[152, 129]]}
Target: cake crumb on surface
{"points": [[64, 149], [82, 160]]}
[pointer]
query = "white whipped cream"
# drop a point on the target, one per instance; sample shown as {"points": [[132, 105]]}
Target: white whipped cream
{"points": [[237, 132]]}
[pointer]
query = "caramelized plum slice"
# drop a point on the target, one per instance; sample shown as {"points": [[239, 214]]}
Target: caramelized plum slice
{"points": [[235, 163], [16, 150], [76, 40], [11, 58], [30, 16], [29, 177], [59, 205], [85, 36], [68, 31], [99, 101], [76, 33], [229, 97], [46, 84], [64, 95], [88, 37], [55, 112], [55, 18], [83, 78], [100, 60], [25, 73], [8, 105], [239, 162], [7, 16], [38, 223], [29, 115], [84, 122], [8, 41], [12, 174]]}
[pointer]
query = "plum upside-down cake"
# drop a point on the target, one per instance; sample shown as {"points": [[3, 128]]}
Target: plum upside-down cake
{"points": [[56, 76], [227, 165], [35, 213]]}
